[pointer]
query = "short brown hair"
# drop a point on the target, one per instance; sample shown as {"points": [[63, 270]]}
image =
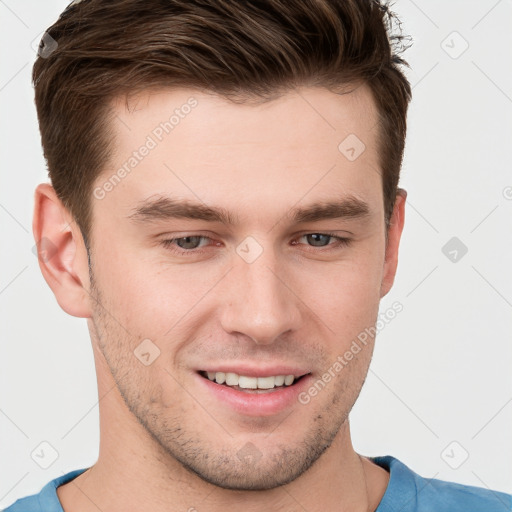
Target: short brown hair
{"points": [[99, 50]]}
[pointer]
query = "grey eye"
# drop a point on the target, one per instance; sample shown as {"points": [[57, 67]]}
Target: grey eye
{"points": [[318, 238], [189, 242]]}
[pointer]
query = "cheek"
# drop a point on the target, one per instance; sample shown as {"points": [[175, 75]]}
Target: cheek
{"points": [[156, 299], [345, 295]]}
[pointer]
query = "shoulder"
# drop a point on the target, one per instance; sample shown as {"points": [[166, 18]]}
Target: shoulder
{"points": [[454, 496], [415, 493], [46, 500], [27, 504]]}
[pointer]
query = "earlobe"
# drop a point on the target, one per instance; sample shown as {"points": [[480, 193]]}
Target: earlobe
{"points": [[61, 252], [396, 226]]}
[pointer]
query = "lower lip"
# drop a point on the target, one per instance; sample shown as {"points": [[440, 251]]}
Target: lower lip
{"points": [[256, 404]]}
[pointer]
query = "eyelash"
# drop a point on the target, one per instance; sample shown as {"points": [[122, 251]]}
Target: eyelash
{"points": [[340, 242]]}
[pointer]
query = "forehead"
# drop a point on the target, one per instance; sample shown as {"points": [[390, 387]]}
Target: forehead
{"points": [[306, 144], [300, 113]]}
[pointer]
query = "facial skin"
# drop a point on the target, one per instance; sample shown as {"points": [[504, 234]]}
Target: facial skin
{"points": [[164, 438]]}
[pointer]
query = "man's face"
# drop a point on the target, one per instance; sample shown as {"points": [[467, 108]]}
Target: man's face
{"points": [[263, 295]]}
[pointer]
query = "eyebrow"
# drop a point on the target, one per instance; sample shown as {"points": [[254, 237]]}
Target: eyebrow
{"points": [[167, 208]]}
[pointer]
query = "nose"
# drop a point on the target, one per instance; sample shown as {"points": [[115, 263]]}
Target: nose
{"points": [[259, 301]]}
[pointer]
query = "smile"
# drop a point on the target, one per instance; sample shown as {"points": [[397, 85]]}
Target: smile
{"points": [[244, 382]]}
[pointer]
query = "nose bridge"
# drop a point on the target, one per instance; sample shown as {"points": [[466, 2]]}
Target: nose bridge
{"points": [[258, 303]]}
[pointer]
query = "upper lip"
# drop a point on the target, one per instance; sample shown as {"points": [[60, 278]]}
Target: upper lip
{"points": [[256, 371]]}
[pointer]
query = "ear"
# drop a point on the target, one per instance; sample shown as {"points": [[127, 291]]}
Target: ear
{"points": [[396, 225], [61, 252]]}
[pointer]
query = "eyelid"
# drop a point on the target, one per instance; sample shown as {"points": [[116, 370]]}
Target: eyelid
{"points": [[340, 242]]}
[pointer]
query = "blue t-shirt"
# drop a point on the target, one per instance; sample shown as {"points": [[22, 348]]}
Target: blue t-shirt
{"points": [[406, 492]]}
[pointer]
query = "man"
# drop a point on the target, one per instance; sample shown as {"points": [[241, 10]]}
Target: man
{"points": [[225, 212]]}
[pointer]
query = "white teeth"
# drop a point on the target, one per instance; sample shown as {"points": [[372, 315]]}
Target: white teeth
{"points": [[233, 379], [248, 382], [266, 382], [279, 380]]}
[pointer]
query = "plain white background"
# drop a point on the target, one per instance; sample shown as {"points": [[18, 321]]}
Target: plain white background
{"points": [[439, 391]]}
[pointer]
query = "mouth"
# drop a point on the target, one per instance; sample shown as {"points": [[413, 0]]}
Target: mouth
{"points": [[255, 391], [253, 384]]}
